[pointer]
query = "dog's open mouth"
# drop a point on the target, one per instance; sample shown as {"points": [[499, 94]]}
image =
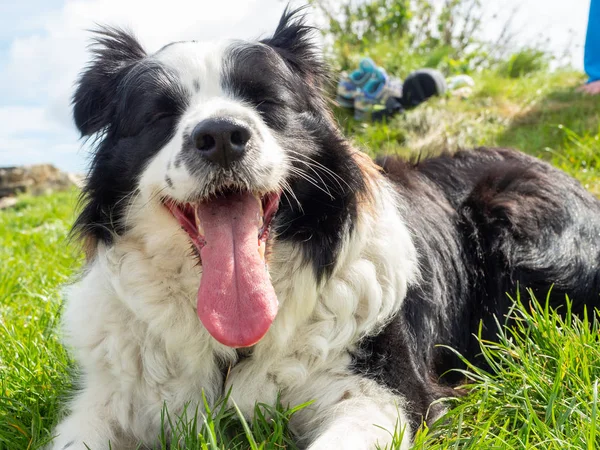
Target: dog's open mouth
{"points": [[236, 300]]}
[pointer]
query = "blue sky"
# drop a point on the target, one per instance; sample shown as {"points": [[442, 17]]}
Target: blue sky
{"points": [[43, 47]]}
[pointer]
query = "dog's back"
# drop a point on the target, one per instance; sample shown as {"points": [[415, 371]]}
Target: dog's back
{"points": [[486, 222]]}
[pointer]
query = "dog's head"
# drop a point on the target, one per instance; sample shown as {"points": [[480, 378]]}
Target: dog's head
{"points": [[235, 141]]}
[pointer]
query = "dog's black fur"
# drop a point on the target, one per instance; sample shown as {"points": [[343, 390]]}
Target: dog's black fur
{"points": [[487, 223]]}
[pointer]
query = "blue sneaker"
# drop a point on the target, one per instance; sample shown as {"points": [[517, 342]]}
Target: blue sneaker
{"points": [[349, 86], [380, 97]]}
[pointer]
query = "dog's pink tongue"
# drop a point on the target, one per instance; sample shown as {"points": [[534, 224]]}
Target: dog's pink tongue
{"points": [[236, 300]]}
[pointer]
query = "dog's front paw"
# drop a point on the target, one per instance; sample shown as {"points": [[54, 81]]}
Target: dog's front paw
{"points": [[67, 444], [356, 441], [359, 431], [250, 385], [82, 432]]}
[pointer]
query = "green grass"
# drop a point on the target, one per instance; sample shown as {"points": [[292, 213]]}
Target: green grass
{"points": [[541, 114], [543, 393], [35, 259]]}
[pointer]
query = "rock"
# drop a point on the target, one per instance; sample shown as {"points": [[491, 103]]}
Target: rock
{"points": [[36, 179], [8, 202]]}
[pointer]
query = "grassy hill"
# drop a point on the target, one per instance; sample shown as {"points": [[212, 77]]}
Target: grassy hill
{"points": [[541, 114], [544, 392]]}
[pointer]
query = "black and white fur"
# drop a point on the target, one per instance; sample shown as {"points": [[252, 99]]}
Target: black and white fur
{"points": [[371, 268]]}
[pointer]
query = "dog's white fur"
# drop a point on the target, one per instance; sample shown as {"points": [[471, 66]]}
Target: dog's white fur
{"points": [[131, 320]]}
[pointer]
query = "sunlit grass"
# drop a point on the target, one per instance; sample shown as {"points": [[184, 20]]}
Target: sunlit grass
{"points": [[542, 392]]}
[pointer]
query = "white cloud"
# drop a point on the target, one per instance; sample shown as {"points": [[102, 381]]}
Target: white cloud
{"points": [[65, 152], [19, 119], [28, 135], [557, 26]]}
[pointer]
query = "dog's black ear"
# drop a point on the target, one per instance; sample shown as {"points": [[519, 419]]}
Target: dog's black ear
{"points": [[114, 52], [294, 41]]}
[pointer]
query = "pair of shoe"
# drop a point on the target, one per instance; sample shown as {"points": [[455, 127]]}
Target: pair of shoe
{"points": [[370, 91]]}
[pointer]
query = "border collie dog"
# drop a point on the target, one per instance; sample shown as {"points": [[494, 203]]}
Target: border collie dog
{"points": [[235, 240]]}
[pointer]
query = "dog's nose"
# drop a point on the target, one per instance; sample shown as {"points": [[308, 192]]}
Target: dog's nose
{"points": [[221, 141]]}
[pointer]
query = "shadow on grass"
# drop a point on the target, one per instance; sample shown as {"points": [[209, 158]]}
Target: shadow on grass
{"points": [[542, 125]]}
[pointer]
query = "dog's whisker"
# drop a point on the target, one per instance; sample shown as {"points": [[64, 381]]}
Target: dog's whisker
{"points": [[319, 166]]}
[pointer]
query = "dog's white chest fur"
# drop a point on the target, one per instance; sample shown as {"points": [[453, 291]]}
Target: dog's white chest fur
{"points": [[132, 323]]}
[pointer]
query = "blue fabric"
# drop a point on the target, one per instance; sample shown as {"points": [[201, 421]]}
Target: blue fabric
{"points": [[591, 58], [365, 68]]}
